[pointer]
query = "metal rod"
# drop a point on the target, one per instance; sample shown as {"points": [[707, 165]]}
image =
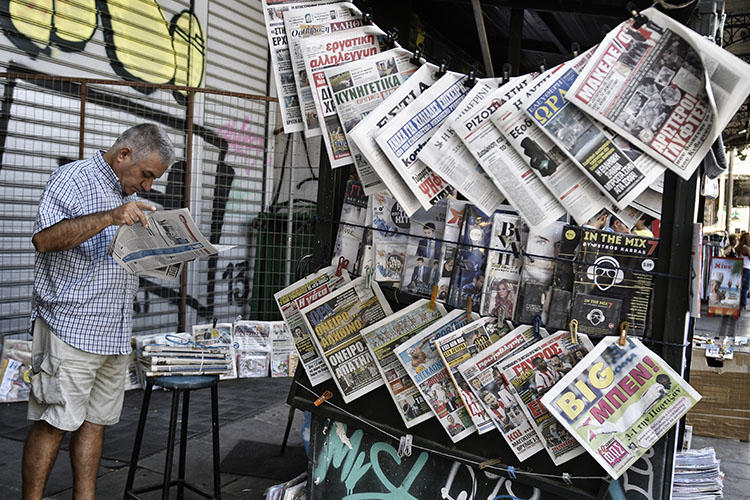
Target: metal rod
{"points": [[82, 121], [730, 191], [476, 5], [290, 215], [182, 310]]}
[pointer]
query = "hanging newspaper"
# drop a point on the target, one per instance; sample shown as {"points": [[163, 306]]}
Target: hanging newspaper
{"points": [[351, 226], [467, 280], [602, 156], [664, 87], [426, 369], [314, 21], [363, 135], [336, 322], [618, 401], [321, 53], [533, 372], [358, 88], [389, 237], [283, 72], [282, 349], [503, 265], [447, 155], [292, 299], [562, 178], [383, 337], [406, 134], [454, 217], [482, 372], [253, 348], [523, 190], [422, 269], [218, 335], [456, 347]]}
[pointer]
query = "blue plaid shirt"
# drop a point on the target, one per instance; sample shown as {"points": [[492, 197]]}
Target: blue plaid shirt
{"points": [[83, 294]]}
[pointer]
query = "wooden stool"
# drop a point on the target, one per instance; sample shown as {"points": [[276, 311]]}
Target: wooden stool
{"points": [[177, 384]]}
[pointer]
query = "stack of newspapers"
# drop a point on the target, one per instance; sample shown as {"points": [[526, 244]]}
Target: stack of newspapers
{"points": [[162, 360], [697, 476]]}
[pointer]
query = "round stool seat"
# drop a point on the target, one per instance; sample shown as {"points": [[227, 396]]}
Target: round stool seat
{"points": [[186, 382]]}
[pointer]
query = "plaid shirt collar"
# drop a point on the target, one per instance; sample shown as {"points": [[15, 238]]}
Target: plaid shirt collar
{"points": [[107, 173]]}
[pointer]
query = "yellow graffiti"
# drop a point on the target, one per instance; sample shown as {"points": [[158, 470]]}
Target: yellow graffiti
{"points": [[187, 36], [75, 20], [33, 18]]}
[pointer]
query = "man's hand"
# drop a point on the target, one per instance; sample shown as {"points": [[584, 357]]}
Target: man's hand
{"points": [[130, 213]]}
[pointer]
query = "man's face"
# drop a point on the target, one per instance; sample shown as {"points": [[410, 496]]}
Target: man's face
{"points": [[490, 400], [479, 281], [136, 176], [428, 232], [540, 364]]}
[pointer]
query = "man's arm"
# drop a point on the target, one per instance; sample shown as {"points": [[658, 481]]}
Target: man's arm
{"points": [[70, 233]]}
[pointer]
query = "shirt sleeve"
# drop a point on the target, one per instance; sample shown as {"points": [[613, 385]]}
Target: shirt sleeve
{"points": [[60, 200]]}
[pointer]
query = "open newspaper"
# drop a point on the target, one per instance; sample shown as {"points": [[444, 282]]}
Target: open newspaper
{"points": [[292, 299], [336, 322], [534, 371], [664, 87], [618, 401], [390, 332], [482, 372], [503, 271], [421, 361]]}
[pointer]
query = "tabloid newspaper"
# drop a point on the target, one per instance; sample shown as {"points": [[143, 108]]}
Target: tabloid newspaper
{"points": [[363, 135], [482, 372], [618, 401], [470, 263], [283, 358], [349, 237], [336, 322], [423, 266], [321, 53], [314, 21], [426, 369], [281, 62], [218, 335], [456, 347], [253, 348], [389, 237], [617, 168], [533, 372], [358, 88], [510, 173], [292, 299], [403, 137], [541, 249], [454, 216], [446, 155], [504, 263], [391, 332], [664, 87]]}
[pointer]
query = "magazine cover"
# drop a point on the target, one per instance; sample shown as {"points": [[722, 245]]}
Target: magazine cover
{"points": [[391, 332], [389, 237], [421, 361], [336, 322], [534, 371], [296, 297], [503, 264], [467, 279], [482, 372], [253, 348], [219, 334], [618, 401], [349, 237], [282, 349], [455, 348], [724, 286], [423, 250], [454, 217]]}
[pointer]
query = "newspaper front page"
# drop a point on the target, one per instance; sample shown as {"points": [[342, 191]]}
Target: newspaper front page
{"points": [[482, 372], [504, 262], [358, 88], [447, 155], [314, 21], [292, 299], [325, 52], [336, 322], [618, 401], [363, 135], [389, 237], [422, 268], [663, 87], [218, 335], [533, 372], [351, 231], [618, 169], [391, 332], [454, 219], [403, 137], [253, 348], [421, 361]]}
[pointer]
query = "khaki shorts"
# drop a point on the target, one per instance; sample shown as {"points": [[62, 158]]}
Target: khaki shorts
{"points": [[69, 386]]}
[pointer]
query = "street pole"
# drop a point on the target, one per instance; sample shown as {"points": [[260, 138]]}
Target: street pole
{"points": [[730, 190]]}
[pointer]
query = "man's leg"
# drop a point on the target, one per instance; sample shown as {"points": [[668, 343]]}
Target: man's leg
{"points": [[85, 453], [39, 454]]}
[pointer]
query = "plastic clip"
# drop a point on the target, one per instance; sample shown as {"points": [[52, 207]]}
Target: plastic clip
{"points": [[573, 331], [511, 472], [507, 69], [213, 325], [575, 49], [367, 18], [404, 446], [471, 79], [623, 333], [489, 463], [566, 478], [537, 325], [542, 66], [638, 18], [392, 37], [442, 69], [416, 58], [433, 298], [323, 398], [343, 264]]}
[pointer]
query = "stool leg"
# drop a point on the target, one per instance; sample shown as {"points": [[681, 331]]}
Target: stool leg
{"points": [[215, 429], [183, 444], [289, 421], [170, 445], [138, 437]]}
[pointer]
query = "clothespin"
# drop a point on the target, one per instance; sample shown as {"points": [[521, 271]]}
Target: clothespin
{"points": [[392, 36], [369, 275], [416, 57], [623, 332], [542, 65], [471, 79], [566, 478], [537, 325], [404, 446], [511, 472], [573, 331], [323, 398], [343, 264], [468, 307], [489, 463], [575, 48], [367, 18], [507, 68], [214, 323], [433, 298], [638, 18], [442, 69]]}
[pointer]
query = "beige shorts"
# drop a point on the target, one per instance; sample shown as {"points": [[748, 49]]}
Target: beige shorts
{"points": [[69, 385]]}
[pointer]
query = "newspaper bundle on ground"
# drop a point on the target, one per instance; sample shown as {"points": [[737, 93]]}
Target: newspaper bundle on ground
{"points": [[615, 167], [456, 347], [324, 52], [391, 332], [446, 155], [253, 348], [482, 372], [467, 280], [454, 217], [283, 72], [664, 87], [314, 20], [363, 135], [336, 322], [697, 476], [351, 226], [421, 361], [358, 88], [292, 299], [536, 274], [618, 401], [15, 371], [283, 357], [504, 262], [218, 335], [389, 237], [533, 372], [174, 354], [423, 266], [403, 137]]}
